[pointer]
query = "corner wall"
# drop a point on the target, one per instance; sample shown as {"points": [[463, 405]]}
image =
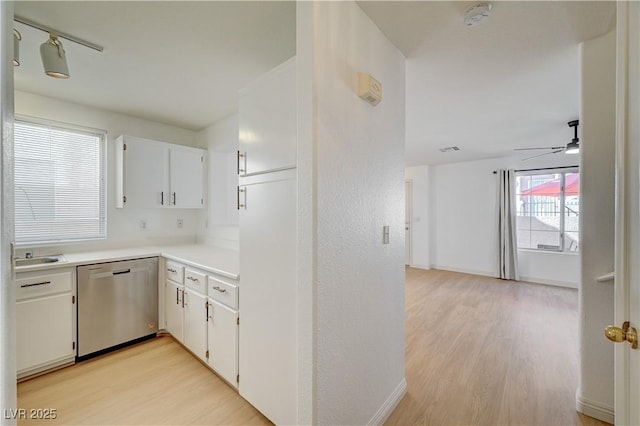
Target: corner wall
{"points": [[359, 163], [597, 226], [218, 224]]}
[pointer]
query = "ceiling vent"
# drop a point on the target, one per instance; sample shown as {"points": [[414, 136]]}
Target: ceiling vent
{"points": [[477, 14], [449, 149]]}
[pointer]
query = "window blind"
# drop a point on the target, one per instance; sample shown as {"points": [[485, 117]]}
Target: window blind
{"points": [[59, 183]]}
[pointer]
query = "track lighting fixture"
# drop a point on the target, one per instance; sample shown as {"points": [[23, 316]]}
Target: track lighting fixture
{"points": [[54, 58], [17, 37]]}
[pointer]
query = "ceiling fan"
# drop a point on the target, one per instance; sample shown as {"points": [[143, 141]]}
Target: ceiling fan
{"points": [[572, 147]]}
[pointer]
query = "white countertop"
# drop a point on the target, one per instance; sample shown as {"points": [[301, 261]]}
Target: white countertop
{"points": [[220, 261]]}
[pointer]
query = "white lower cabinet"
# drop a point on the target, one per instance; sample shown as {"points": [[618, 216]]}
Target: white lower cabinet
{"points": [[173, 312], [223, 340], [45, 320], [207, 326], [195, 323]]}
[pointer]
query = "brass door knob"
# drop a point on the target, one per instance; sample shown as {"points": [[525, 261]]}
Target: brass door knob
{"points": [[624, 334]]}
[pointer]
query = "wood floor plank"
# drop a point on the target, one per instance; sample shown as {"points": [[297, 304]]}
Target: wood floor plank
{"points": [[482, 351]]}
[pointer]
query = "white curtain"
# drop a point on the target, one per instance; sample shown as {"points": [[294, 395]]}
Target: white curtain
{"points": [[507, 226]]}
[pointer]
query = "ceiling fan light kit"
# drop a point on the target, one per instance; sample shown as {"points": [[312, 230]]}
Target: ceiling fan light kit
{"points": [[572, 147], [477, 14]]}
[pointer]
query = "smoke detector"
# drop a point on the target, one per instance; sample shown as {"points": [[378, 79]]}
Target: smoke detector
{"points": [[477, 14]]}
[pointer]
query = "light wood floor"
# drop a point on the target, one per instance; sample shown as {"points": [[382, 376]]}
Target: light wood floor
{"points": [[153, 383], [482, 351]]}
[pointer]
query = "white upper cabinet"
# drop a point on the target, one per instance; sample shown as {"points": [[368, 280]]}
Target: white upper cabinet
{"points": [[152, 174], [187, 183], [267, 118]]}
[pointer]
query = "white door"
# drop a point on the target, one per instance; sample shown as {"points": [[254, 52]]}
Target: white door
{"points": [[408, 197], [173, 315], [146, 171], [187, 179], [223, 340], [195, 323], [627, 279]]}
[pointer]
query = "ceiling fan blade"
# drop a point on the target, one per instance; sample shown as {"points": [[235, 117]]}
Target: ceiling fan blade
{"points": [[530, 149], [546, 153]]}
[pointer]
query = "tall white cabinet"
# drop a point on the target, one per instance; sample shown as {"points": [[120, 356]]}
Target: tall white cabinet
{"points": [[267, 206]]}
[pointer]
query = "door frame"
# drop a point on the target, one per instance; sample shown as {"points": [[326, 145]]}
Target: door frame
{"points": [[627, 237], [8, 388]]}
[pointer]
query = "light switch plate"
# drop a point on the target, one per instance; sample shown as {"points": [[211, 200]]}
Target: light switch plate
{"points": [[385, 234]]}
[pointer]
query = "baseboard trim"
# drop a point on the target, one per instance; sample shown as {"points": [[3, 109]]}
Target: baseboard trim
{"points": [[390, 404], [425, 267], [464, 271], [594, 409], [534, 280]]}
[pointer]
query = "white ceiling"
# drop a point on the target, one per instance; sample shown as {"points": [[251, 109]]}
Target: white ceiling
{"points": [[510, 82], [179, 62]]}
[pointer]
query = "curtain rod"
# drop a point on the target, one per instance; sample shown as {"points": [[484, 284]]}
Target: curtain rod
{"points": [[60, 34], [545, 168]]}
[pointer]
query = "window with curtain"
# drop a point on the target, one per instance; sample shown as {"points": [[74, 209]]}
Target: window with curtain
{"points": [[59, 182], [548, 210]]}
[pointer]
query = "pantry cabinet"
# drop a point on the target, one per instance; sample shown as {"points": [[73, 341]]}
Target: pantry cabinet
{"points": [[267, 117], [153, 174], [45, 320]]}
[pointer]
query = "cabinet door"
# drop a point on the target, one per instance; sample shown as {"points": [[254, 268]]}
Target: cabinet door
{"points": [[195, 323], [187, 179], [173, 315], [267, 333], [146, 173], [268, 121], [44, 331], [223, 340]]}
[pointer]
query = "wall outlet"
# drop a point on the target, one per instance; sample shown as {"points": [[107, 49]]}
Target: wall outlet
{"points": [[143, 224], [180, 223]]}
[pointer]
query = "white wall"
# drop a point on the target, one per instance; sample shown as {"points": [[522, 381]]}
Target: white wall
{"points": [[419, 177], [597, 228], [463, 221], [123, 225], [219, 223], [359, 152]]}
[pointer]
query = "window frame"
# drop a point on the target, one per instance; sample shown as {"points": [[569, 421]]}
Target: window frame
{"points": [[103, 152], [562, 171]]}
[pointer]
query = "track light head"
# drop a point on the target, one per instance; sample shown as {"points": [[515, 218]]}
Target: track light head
{"points": [[54, 58], [17, 37]]}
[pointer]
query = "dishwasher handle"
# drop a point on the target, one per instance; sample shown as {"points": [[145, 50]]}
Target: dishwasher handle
{"points": [[124, 271]]}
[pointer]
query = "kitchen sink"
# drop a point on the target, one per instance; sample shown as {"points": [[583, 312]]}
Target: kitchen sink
{"points": [[39, 260]]}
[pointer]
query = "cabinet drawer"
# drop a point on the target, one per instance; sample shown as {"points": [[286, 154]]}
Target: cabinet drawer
{"points": [[174, 272], [195, 280], [43, 285], [223, 292]]}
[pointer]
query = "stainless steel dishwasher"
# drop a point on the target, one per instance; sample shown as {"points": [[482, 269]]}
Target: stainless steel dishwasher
{"points": [[117, 303]]}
